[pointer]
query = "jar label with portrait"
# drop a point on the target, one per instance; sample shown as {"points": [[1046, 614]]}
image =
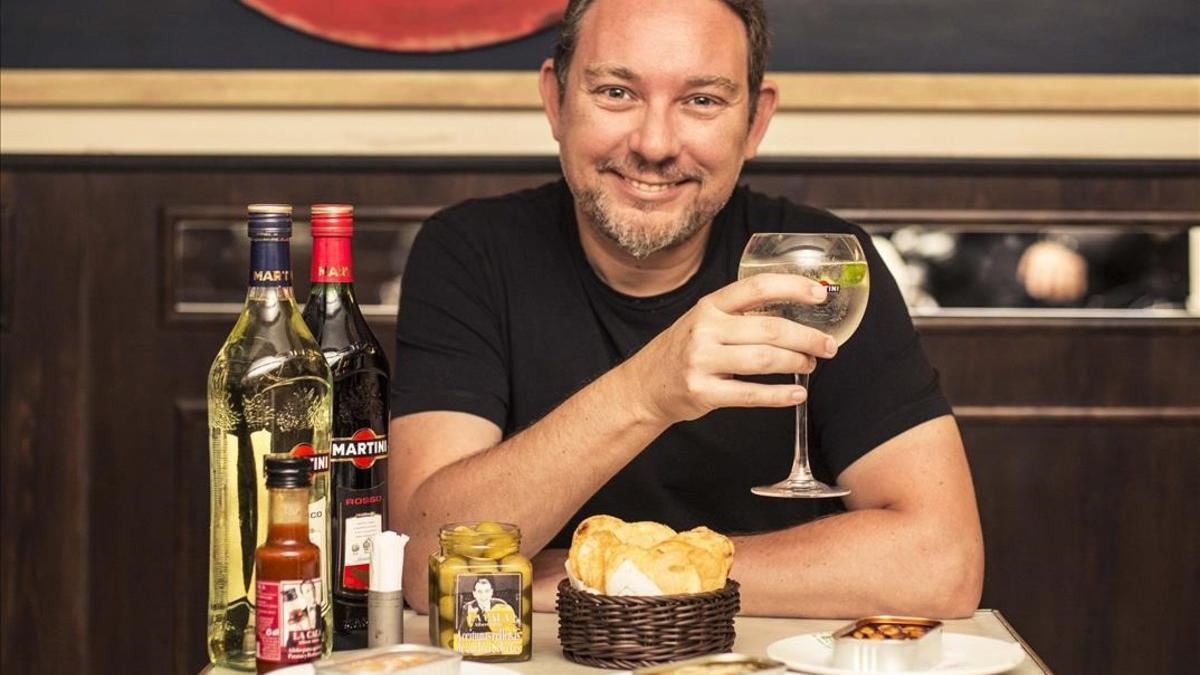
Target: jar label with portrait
{"points": [[487, 615], [287, 620]]}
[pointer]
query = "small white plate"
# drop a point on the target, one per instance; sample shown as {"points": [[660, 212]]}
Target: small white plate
{"points": [[468, 668], [961, 655]]}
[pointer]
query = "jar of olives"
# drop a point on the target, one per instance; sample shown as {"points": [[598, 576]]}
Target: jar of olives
{"points": [[481, 593]]}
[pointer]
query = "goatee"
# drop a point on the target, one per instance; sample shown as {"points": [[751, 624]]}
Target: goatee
{"points": [[638, 239]]}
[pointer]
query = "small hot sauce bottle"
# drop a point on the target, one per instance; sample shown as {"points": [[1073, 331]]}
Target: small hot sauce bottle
{"points": [[287, 614]]}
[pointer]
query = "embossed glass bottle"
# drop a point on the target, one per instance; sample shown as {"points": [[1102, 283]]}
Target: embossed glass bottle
{"points": [[360, 417], [269, 391]]}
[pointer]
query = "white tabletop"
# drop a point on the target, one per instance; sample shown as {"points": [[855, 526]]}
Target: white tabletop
{"points": [[754, 634]]}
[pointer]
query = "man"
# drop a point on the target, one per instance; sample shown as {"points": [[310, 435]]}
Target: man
{"points": [[572, 350], [485, 613]]}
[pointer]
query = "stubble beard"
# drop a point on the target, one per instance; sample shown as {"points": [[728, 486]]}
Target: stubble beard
{"points": [[639, 239]]}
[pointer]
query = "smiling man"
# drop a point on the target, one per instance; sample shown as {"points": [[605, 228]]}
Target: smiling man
{"points": [[583, 347]]}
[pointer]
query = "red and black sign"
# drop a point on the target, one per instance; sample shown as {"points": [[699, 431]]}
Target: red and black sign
{"points": [[414, 25]]}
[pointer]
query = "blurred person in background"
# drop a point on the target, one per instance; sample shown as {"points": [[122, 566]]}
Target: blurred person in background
{"points": [[1055, 268]]}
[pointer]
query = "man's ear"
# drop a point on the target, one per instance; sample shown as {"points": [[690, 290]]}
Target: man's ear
{"points": [[548, 88], [768, 101]]}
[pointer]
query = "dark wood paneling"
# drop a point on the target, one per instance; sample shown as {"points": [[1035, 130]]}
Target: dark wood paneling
{"points": [[45, 441], [1091, 539], [1082, 434], [1084, 441], [189, 625], [7, 262], [1060, 364]]}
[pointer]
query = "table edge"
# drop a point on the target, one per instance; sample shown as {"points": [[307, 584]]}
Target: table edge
{"points": [[1029, 651]]}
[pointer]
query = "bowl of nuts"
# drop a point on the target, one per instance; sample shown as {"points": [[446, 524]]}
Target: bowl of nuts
{"points": [[882, 644]]}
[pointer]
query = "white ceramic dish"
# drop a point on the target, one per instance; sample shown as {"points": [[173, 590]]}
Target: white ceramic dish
{"points": [[961, 655], [468, 668]]}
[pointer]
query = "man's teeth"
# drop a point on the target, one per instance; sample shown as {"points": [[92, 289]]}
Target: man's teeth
{"points": [[649, 187]]}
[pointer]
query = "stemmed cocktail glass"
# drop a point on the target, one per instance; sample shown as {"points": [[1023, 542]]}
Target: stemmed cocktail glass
{"points": [[838, 263]]}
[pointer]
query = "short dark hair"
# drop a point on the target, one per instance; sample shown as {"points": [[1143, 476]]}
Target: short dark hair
{"points": [[751, 12]]}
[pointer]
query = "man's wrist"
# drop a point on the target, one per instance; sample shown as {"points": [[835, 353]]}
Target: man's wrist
{"points": [[625, 391]]}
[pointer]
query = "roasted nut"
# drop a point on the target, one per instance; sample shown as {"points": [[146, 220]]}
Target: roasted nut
{"points": [[889, 631]]}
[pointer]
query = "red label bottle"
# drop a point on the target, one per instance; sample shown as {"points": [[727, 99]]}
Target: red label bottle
{"points": [[360, 417], [287, 613]]}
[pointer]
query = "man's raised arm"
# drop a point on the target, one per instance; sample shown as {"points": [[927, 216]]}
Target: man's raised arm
{"points": [[452, 466]]}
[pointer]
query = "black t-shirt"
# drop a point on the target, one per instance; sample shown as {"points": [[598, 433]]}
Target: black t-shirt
{"points": [[503, 317]]}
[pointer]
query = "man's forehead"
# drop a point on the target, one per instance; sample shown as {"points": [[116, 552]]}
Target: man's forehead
{"points": [[701, 40]]}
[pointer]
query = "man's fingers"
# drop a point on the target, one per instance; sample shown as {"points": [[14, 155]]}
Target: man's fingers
{"points": [[760, 289], [779, 332], [738, 394], [761, 360]]}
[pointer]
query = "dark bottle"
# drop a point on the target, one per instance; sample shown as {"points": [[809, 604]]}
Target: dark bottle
{"points": [[360, 418], [287, 615]]}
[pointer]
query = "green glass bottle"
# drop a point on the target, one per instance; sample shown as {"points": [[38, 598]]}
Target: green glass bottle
{"points": [[269, 391]]}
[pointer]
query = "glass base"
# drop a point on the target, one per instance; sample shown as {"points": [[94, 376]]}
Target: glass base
{"points": [[811, 489]]}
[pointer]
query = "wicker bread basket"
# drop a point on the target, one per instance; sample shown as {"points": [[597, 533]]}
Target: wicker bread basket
{"points": [[627, 632]]}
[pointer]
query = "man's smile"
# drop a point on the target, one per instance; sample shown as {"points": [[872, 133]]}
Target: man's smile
{"points": [[651, 189]]}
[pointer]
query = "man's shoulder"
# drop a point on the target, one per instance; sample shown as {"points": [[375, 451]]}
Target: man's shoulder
{"points": [[766, 213]]}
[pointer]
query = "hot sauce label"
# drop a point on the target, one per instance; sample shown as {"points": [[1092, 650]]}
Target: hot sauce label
{"points": [[287, 620], [487, 615], [363, 448]]}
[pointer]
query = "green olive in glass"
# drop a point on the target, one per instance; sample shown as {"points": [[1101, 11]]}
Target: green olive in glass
{"points": [[481, 592]]}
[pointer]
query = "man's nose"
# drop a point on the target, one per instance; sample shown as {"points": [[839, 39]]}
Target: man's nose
{"points": [[656, 137]]}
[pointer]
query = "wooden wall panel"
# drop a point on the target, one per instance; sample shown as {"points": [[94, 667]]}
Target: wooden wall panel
{"points": [[1091, 539], [46, 451], [1081, 364], [104, 459], [189, 554]]}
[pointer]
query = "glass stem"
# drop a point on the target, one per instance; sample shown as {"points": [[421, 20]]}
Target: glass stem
{"points": [[800, 470]]}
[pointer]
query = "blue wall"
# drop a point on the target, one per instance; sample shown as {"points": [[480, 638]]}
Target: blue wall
{"points": [[1032, 36]]}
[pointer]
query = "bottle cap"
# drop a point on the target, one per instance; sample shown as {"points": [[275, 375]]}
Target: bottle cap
{"points": [[387, 561], [272, 221], [332, 220], [285, 471]]}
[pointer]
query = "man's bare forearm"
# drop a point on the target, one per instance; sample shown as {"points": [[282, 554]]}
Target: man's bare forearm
{"points": [[849, 565], [538, 478], [858, 563], [911, 541]]}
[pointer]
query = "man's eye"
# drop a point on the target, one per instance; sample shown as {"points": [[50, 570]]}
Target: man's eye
{"points": [[615, 93], [703, 101]]}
